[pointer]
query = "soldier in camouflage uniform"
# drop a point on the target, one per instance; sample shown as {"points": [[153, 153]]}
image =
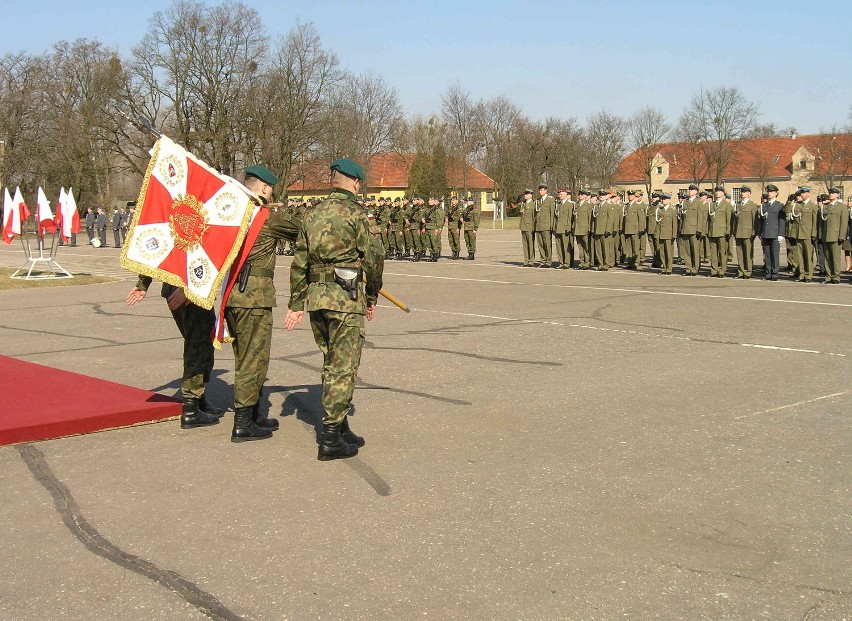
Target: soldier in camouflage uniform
{"points": [[434, 223], [415, 215], [395, 230], [407, 239], [249, 314], [454, 227], [196, 327], [470, 221], [334, 249]]}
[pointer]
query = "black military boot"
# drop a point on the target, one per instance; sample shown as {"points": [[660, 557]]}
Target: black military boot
{"points": [[261, 420], [470, 257], [406, 254], [435, 256], [245, 429], [349, 436], [416, 257], [207, 408], [333, 446], [192, 417]]}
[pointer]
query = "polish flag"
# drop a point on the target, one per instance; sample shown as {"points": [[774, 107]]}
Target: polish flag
{"points": [[58, 218], [67, 217], [44, 215], [14, 213]]}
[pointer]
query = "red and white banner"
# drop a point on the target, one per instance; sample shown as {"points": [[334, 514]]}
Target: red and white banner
{"points": [[189, 223], [44, 216], [67, 219], [15, 212]]}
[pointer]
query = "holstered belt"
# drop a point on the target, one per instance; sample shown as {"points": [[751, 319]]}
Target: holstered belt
{"points": [[324, 273]]}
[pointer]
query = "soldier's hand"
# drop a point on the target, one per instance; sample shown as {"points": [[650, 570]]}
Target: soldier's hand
{"points": [[292, 319], [176, 300], [135, 295], [371, 311], [474, 231], [437, 231]]}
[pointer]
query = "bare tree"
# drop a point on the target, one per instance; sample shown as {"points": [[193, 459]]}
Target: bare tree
{"points": [[209, 57], [647, 129], [721, 118], [500, 122], [22, 114], [463, 117], [606, 134], [690, 135], [288, 105], [833, 155]]}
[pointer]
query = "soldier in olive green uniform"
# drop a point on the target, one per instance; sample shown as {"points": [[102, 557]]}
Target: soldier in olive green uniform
{"points": [[527, 227], [454, 227], [613, 230], [600, 227], [196, 327], [718, 230], [743, 225], [651, 224], [581, 227], [835, 219], [397, 221], [791, 233], [563, 212], [249, 314], [665, 217], [332, 253], [634, 217], [703, 227], [469, 219], [689, 214], [544, 227], [806, 215], [643, 226]]}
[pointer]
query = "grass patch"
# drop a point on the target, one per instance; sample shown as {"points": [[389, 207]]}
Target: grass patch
{"points": [[6, 282]]}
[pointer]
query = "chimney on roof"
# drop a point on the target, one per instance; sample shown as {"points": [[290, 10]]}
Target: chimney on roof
{"points": [[674, 157], [793, 135]]}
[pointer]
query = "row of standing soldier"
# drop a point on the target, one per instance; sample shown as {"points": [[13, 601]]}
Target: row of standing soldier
{"points": [[604, 231], [411, 228]]}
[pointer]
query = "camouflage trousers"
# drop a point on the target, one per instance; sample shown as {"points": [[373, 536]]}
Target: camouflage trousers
{"points": [[252, 332], [395, 240], [470, 241], [454, 239], [196, 328], [432, 241], [340, 337]]}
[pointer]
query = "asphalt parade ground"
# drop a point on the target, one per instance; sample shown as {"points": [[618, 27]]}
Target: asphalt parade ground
{"points": [[541, 444]]}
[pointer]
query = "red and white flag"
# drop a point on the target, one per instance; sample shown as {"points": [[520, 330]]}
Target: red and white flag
{"points": [[189, 223], [15, 212], [67, 218], [44, 215]]}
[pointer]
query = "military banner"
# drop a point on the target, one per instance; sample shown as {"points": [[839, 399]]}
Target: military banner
{"points": [[189, 223]]}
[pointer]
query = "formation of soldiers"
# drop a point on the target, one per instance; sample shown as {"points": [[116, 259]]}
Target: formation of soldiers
{"points": [[602, 231], [411, 228]]}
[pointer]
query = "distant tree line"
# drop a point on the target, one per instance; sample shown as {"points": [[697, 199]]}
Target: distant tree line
{"points": [[235, 95]]}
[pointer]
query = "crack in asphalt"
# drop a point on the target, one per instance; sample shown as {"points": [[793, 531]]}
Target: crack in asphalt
{"points": [[96, 543]]}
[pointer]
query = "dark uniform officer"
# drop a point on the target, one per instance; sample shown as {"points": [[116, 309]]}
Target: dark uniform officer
{"points": [[196, 327], [249, 313], [771, 225], [90, 224], [100, 226], [333, 251]]}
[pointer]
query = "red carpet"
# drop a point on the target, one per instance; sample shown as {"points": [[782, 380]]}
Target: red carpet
{"points": [[39, 403]]}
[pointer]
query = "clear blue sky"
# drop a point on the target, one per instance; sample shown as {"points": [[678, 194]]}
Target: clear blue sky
{"points": [[560, 59]]}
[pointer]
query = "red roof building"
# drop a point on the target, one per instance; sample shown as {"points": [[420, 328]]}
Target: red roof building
{"points": [[387, 176], [788, 162]]}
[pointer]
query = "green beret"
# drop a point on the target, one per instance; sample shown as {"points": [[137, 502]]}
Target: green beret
{"points": [[262, 173], [348, 168]]}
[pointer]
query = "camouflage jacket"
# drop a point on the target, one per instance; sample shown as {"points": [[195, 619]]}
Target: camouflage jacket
{"points": [[260, 291], [334, 233]]}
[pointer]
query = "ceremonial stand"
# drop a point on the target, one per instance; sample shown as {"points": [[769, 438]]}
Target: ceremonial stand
{"points": [[52, 269]]}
